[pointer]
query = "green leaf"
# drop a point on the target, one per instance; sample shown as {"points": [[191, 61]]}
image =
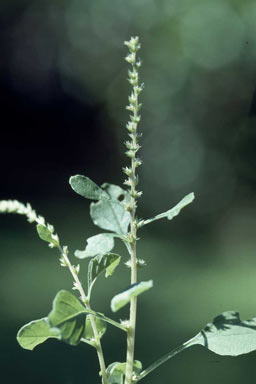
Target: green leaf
{"points": [[87, 188], [46, 235], [100, 325], [171, 213], [112, 265], [68, 314], [110, 215], [99, 263], [125, 297], [36, 332], [137, 367], [228, 335], [116, 193], [97, 245], [116, 371]]}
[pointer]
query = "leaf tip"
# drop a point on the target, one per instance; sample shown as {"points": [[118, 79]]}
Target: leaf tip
{"points": [[72, 179], [192, 196]]}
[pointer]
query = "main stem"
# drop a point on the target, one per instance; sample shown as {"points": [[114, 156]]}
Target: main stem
{"points": [[133, 305], [132, 181]]}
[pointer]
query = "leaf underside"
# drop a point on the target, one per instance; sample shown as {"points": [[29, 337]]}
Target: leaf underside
{"points": [[116, 193], [171, 213], [110, 215], [109, 212], [97, 245], [125, 297], [87, 188], [227, 335]]}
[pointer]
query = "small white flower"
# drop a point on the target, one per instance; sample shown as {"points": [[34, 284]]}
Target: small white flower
{"points": [[55, 237], [131, 58], [41, 220]]}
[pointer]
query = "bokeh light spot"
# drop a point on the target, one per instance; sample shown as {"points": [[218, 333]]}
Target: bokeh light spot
{"points": [[212, 34]]}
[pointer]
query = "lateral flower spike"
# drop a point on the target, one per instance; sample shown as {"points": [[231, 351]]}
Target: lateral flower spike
{"points": [[44, 230]]}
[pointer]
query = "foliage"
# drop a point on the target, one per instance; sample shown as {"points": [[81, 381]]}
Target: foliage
{"points": [[113, 209]]}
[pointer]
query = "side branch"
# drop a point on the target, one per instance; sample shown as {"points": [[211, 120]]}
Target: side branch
{"points": [[46, 233]]}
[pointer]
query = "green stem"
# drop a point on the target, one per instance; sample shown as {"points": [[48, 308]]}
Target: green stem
{"points": [[132, 181], [91, 317], [163, 359], [133, 310], [133, 233], [98, 348], [14, 206]]}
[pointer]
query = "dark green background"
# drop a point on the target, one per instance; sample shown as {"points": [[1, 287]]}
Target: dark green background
{"points": [[63, 90]]}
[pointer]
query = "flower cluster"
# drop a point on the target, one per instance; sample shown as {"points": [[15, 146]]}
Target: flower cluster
{"points": [[134, 106]]}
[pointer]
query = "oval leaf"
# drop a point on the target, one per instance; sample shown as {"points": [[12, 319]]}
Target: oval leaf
{"points": [[36, 332], [46, 235], [97, 245], [110, 215], [98, 264], [68, 314], [125, 297], [228, 335], [87, 188]]}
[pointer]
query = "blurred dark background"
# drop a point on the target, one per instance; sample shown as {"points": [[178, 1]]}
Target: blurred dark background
{"points": [[63, 93]]}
